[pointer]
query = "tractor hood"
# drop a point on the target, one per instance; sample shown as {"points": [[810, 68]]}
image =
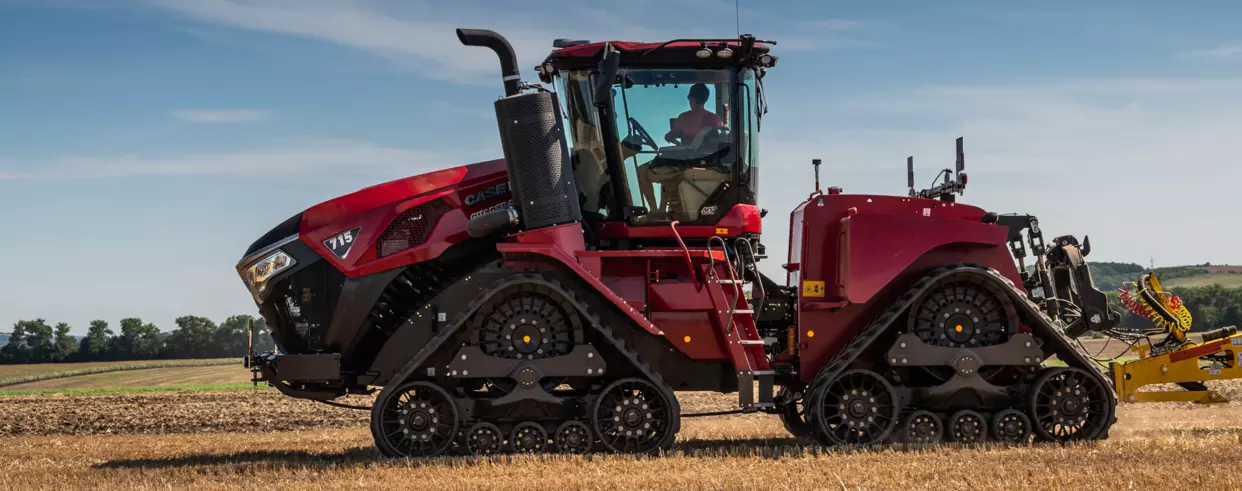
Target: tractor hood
{"points": [[394, 191]]}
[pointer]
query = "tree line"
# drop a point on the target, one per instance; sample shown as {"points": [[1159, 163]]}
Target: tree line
{"points": [[35, 341], [1210, 307]]}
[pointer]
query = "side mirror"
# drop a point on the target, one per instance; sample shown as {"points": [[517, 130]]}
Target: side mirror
{"points": [[608, 66]]}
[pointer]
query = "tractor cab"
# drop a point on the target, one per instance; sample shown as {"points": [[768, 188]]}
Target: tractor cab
{"points": [[662, 132]]}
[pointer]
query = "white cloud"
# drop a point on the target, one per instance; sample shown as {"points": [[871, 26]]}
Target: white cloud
{"points": [[221, 115], [410, 37], [294, 159], [421, 37], [1226, 52], [1145, 167]]}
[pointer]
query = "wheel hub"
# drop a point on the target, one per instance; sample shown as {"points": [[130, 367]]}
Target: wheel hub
{"points": [[418, 420], [634, 417], [526, 325], [960, 327], [858, 408], [963, 311]]}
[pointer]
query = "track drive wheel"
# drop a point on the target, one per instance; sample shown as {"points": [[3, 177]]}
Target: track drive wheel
{"points": [[922, 427], [963, 310], [858, 407], [633, 416], [1069, 404], [793, 415], [967, 426], [1011, 426], [418, 419]]}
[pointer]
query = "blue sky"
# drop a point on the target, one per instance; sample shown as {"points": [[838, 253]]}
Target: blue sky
{"points": [[145, 144]]}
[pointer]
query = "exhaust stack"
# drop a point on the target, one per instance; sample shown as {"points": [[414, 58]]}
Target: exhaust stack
{"points": [[508, 59], [541, 179]]}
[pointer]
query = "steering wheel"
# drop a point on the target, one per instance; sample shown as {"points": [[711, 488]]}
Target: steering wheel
{"points": [[642, 133]]}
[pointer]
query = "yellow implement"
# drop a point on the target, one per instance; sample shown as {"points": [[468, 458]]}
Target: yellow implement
{"points": [[1174, 359], [1218, 358]]}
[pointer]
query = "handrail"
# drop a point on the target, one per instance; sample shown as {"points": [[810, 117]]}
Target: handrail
{"points": [[686, 251], [724, 249]]}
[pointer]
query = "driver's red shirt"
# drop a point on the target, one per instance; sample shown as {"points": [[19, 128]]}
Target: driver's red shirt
{"points": [[691, 122]]}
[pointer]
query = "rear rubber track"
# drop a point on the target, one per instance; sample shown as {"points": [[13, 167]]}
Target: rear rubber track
{"points": [[1042, 326]]}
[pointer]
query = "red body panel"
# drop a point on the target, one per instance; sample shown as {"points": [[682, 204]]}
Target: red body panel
{"points": [[741, 219], [654, 287], [866, 250], [373, 209]]}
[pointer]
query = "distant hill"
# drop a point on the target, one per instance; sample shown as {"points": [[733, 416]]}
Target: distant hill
{"points": [[1109, 276]]}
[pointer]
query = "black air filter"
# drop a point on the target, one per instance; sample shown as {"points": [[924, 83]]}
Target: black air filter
{"points": [[540, 179]]}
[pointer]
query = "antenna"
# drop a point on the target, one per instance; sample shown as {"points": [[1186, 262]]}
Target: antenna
{"points": [[961, 156], [910, 174], [816, 162], [961, 166], [737, 19]]}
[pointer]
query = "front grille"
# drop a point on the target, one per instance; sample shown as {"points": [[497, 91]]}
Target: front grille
{"points": [[302, 305], [411, 228]]}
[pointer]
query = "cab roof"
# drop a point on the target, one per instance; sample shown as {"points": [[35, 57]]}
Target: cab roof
{"points": [[747, 51]]}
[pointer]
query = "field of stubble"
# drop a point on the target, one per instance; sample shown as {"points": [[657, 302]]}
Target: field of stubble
{"points": [[245, 440]]}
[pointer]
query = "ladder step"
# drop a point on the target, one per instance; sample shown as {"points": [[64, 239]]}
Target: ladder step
{"points": [[731, 282], [746, 311], [753, 341]]}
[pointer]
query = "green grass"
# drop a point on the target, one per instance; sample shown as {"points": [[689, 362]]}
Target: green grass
{"points": [[133, 390], [94, 369], [1227, 280]]}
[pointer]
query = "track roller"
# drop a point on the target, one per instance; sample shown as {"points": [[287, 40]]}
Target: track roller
{"points": [[1011, 426], [922, 427], [484, 439], [574, 437], [528, 437], [967, 426]]}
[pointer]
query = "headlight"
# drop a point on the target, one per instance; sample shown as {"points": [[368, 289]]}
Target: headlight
{"points": [[257, 274]]}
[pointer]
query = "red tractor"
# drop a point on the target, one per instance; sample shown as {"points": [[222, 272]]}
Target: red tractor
{"points": [[558, 298]]}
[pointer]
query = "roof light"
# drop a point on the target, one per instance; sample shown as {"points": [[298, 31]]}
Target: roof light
{"points": [[704, 52], [725, 53]]}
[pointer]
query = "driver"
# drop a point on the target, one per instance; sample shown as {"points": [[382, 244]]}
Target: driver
{"points": [[683, 131], [689, 124]]}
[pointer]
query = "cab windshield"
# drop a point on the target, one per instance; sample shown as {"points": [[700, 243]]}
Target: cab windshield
{"points": [[676, 128]]}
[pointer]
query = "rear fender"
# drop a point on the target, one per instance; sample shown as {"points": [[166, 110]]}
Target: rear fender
{"points": [[875, 249], [523, 256]]}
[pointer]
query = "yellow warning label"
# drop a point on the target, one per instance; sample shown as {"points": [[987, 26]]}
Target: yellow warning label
{"points": [[812, 288], [722, 231]]}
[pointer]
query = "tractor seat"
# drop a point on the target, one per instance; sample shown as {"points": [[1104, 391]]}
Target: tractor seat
{"points": [[695, 186]]}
